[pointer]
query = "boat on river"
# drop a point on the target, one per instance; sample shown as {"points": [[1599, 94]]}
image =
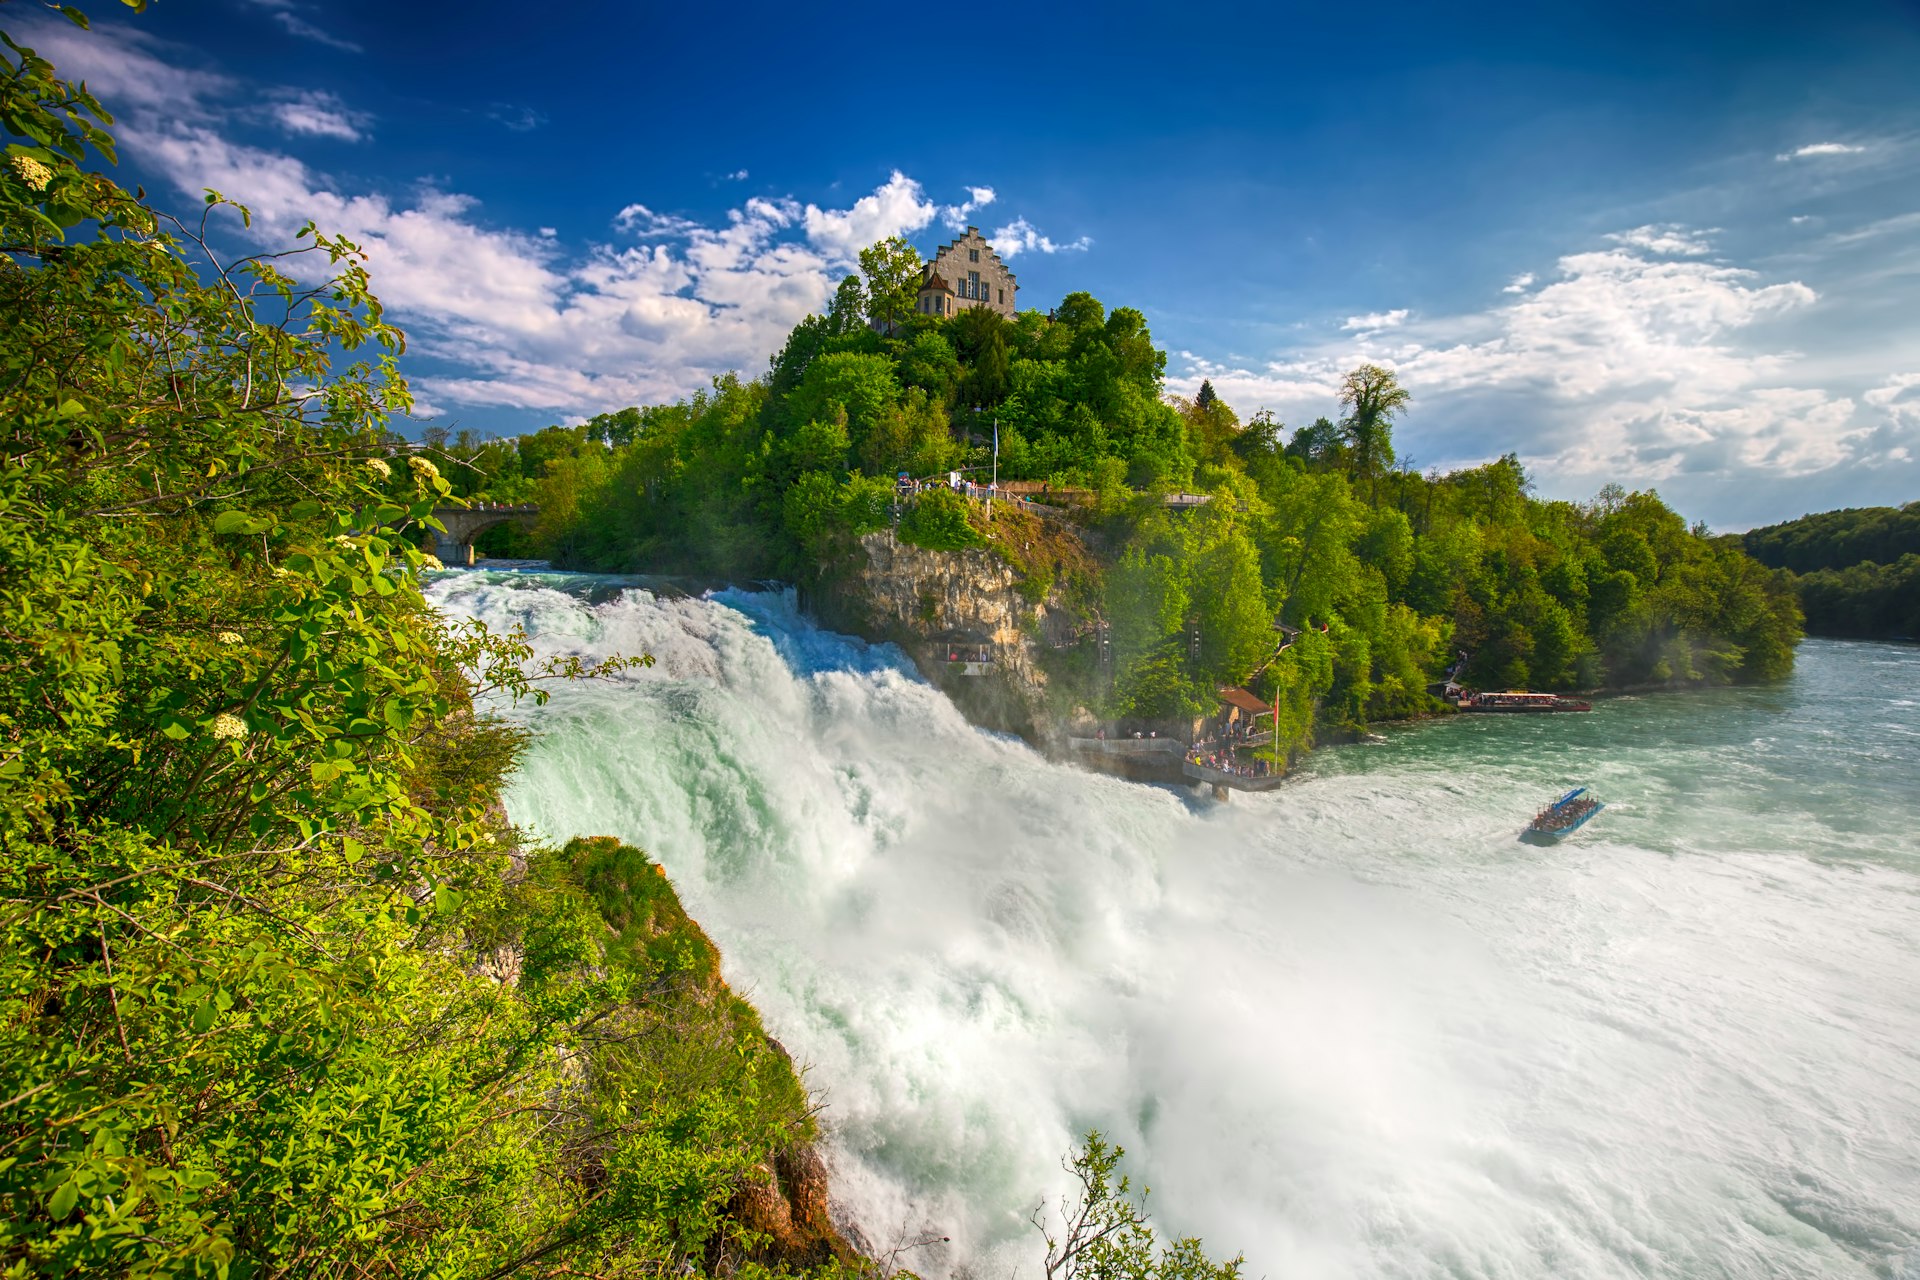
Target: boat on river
{"points": [[1513, 700], [1563, 817]]}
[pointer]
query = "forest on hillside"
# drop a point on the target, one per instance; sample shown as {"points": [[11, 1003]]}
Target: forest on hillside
{"points": [[1388, 573], [1857, 570]]}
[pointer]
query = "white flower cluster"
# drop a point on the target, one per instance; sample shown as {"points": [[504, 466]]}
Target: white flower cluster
{"points": [[32, 172], [379, 467], [226, 726], [228, 637], [423, 471], [431, 562]]}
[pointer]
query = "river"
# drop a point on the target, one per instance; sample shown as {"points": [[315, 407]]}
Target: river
{"points": [[1352, 1027]]}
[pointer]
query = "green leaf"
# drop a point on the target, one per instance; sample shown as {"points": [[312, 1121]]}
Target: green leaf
{"points": [[230, 522], [76, 17], [61, 1202], [203, 1016]]}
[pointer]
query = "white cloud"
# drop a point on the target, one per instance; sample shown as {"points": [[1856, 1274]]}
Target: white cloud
{"points": [[1520, 283], [1375, 320], [1668, 240], [896, 208], [738, 175], [319, 114], [955, 216], [548, 233], [1813, 149], [516, 118], [1801, 219], [1020, 235], [1899, 396], [1875, 230], [1626, 365], [287, 14], [645, 223]]}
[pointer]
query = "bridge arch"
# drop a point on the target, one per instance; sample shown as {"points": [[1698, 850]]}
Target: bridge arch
{"points": [[464, 524]]}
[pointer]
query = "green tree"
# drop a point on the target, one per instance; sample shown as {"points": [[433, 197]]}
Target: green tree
{"points": [[1371, 396], [1103, 1232], [891, 268]]}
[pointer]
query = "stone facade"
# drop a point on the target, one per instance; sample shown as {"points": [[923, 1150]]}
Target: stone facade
{"points": [[971, 274]]}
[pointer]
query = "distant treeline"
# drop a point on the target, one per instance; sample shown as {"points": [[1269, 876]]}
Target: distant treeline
{"points": [[1838, 539], [1858, 569]]}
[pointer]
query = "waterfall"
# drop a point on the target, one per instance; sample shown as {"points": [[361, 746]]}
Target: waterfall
{"points": [[1351, 1028]]}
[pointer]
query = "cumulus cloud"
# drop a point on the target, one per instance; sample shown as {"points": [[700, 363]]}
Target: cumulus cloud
{"points": [[955, 216], [1813, 149], [1375, 320], [1020, 236], [738, 175], [1626, 364], [1520, 283], [898, 207], [1668, 240], [318, 114]]}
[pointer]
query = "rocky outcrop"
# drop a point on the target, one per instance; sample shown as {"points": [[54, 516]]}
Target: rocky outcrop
{"points": [[975, 625]]}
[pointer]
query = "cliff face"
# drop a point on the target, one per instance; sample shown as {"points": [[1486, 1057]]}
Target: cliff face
{"points": [[948, 610]]}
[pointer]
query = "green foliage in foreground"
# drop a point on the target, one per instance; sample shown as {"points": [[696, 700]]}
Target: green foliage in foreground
{"points": [[275, 1000], [1103, 1232]]}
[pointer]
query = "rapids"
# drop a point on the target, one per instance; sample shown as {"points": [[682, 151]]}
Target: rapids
{"points": [[1352, 1027]]}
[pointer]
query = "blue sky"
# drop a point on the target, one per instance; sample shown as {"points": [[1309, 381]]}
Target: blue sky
{"points": [[1676, 246]]}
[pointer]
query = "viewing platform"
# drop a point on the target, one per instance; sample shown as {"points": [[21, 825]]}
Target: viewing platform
{"points": [[1232, 779], [1129, 746]]}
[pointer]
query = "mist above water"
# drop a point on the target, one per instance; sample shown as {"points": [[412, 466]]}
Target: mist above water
{"points": [[1351, 1027]]}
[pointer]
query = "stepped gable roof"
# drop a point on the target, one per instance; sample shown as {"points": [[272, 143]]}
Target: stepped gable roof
{"points": [[1238, 697], [959, 240], [935, 283]]}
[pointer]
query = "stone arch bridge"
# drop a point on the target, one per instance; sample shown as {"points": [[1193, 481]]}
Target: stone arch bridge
{"points": [[464, 524]]}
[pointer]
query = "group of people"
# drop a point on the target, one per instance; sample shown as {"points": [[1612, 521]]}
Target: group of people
{"points": [[1207, 756], [1558, 818]]}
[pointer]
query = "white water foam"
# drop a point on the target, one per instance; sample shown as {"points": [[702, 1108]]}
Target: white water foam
{"points": [[1351, 1027]]}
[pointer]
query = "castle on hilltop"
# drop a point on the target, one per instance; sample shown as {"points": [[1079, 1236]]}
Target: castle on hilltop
{"points": [[966, 273]]}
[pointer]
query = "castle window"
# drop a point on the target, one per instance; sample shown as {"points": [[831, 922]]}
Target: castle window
{"points": [[973, 286], [1003, 297], [973, 255]]}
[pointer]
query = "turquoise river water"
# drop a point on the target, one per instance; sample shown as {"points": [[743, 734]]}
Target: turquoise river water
{"points": [[1352, 1027]]}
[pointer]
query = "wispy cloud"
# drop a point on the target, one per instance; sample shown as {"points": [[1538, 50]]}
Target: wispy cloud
{"points": [[1895, 225], [1375, 320], [319, 114], [1520, 283], [1019, 236], [738, 175], [1814, 149], [1666, 239], [287, 14], [638, 220], [516, 118]]}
